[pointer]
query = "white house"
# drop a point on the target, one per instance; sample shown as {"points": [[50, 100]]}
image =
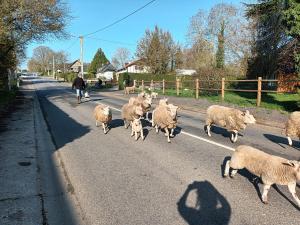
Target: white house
{"points": [[106, 71], [134, 67]]}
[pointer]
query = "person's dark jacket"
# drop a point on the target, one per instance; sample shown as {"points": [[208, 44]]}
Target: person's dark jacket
{"points": [[78, 83]]}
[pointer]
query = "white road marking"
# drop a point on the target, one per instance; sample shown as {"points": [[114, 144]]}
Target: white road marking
{"points": [[208, 141], [195, 136]]}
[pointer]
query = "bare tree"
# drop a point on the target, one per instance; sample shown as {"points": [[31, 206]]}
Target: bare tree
{"points": [[42, 58], [121, 56]]}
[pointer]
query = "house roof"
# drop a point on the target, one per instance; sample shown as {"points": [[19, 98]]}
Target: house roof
{"points": [[77, 60], [106, 67], [136, 62]]}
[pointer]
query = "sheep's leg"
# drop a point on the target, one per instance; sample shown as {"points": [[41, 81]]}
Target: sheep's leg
{"points": [[96, 123], [234, 136], [233, 173], [167, 134], [208, 130], [292, 189], [156, 129], [227, 167], [152, 119], [147, 116], [142, 134], [132, 132], [290, 141], [103, 126], [135, 136], [171, 134], [264, 196]]}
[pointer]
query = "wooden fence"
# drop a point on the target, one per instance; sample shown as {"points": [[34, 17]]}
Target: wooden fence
{"points": [[197, 86]]}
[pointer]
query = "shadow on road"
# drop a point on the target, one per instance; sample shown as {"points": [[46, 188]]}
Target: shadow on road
{"points": [[282, 141], [210, 206]]}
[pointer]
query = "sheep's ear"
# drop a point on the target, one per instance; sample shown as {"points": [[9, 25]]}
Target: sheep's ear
{"points": [[289, 163]]}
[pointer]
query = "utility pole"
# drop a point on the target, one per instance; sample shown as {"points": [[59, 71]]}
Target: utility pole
{"points": [[81, 54], [53, 68]]}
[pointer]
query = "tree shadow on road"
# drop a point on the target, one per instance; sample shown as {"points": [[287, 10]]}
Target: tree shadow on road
{"points": [[282, 141], [210, 206]]}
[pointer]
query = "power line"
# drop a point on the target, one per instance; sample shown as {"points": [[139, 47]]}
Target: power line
{"points": [[71, 45], [119, 20], [110, 41]]}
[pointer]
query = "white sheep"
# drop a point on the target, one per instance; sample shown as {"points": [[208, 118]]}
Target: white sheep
{"points": [[292, 127], [103, 115], [136, 127], [129, 112], [127, 90], [144, 100], [164, 116], [153, 94], [232, 119], [271, 169]]}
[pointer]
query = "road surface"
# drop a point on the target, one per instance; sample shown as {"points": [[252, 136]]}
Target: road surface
{"points": [[119, 181]]}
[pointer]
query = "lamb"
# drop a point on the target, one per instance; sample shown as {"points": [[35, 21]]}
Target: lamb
{"points": [[103, 115], [130, 112], [232, 119], [271, 169], [129, 89], [292, 127], [165, 117], [136, 127]]}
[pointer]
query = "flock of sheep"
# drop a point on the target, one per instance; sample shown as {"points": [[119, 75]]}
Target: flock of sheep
{"points": [[270, 169]]}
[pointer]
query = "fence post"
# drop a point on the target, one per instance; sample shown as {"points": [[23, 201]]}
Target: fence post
{"points": [[142, 85], [134, 83], [197, 88], [152, 86], [223, 88], [258, 100], [163, 86], [177, 86]]}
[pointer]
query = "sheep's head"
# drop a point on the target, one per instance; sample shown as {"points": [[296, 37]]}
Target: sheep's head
{"points": [[248, 118], [173, 110], [163, 101], [296, 167], [142, 94], [147, 101], [106, 111], [138, 110]]}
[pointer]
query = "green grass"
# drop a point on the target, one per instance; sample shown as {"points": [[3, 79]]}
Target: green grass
{"points": [[280, 102]]}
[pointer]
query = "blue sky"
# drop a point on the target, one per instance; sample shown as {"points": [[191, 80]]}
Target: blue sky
{"points": [[91, 15]]}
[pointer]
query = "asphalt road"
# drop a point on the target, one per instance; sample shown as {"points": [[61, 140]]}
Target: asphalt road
{"points": [[120, 181]]}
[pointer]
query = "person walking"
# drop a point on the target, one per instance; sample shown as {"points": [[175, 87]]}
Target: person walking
{"points": [[79, 85]]}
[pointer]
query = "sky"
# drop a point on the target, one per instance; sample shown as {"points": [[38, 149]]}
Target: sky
{"points": [[91, 15]]}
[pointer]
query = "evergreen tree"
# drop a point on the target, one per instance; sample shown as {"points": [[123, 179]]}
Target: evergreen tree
{"points": [[98, 61], [220, 55]]}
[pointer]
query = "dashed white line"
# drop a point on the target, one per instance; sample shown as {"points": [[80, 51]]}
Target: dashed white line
{"points": [[195, 136]]}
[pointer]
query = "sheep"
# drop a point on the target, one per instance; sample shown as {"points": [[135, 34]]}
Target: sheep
{"points": [[129, 89], [153, 94], [271, 169], [292, 127], [144, 100], [103, 114], [232, 119], [136, 127], [165, 117], [129, 112]]}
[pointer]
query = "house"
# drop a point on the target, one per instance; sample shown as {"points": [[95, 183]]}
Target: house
{"points": [[184, 72], [106, 71], [134, 67], [76, 66]]}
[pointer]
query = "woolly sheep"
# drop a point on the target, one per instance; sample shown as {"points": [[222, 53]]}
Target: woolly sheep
{"points": [[130, 112], [129, 89], [271, 169], [292, 128], [165, 117], [232, 119], [136, 127], [103, 115], [144, 100]]}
